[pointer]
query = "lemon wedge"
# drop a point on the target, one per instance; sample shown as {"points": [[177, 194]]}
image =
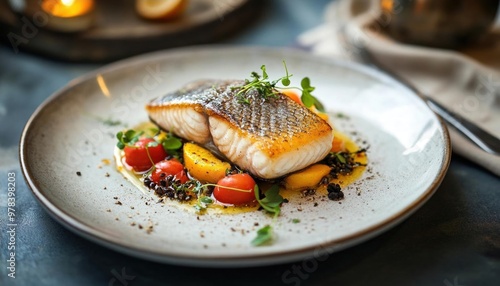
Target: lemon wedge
{"points": [[160, 9]]}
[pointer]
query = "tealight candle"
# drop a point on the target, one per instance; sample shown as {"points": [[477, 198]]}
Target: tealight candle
{"points": [[69, 15]]}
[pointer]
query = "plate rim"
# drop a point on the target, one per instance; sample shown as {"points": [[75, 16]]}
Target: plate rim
{"points": [[85, 230]]}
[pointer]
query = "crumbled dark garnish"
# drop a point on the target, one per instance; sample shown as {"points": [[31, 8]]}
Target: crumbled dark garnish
{"points": [[78, 173], [336, 196], [333, 188], [334, 192], [343, 162], [169, 187]]}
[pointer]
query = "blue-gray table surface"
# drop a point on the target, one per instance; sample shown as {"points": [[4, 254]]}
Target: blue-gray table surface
{"points": [[454, 239]]}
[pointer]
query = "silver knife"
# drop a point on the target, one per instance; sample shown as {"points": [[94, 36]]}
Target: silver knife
{"points": [[476, 134]]}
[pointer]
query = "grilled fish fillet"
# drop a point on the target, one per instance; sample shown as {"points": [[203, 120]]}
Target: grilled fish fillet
{"points": [[267, 137]]}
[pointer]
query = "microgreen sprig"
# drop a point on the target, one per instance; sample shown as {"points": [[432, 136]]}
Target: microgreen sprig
{"points": [[203, 201], [109, 121], [270, 89], [263, 87], [171, 143], [271, 203], [307, 98], [128, 138], [264, 235], [168, 140]]}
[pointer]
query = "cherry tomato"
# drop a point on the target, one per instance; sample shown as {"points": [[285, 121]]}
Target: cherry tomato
{"points": [[236, 197], [137, 156], [169, 167]]}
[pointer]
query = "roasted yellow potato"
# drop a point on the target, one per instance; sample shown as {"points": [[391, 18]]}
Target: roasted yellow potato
{"points": [[203, 165], [306, 178]]}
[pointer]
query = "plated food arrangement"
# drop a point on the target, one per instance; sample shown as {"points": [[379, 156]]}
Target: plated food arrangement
{"points": [[213, 140], [186, 209]]}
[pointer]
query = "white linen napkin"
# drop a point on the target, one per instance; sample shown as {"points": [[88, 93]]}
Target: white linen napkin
{"points": [[467, 81]]}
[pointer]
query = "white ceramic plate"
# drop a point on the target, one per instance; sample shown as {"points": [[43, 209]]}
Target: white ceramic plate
{"points": [[409, 154]]}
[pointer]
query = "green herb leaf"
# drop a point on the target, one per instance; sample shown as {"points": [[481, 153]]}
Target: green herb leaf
{"points": [[264, 236], [286, 79], [256, 76], [154, 131], [172, 143], [319, 105], [295, 220], [111, 122], [206, 200], [272, 201], [273, 196], [340, 158], [268, 89], [108, 121], [264, 73], [120, 145], [200, 190], [129, 138], [341, 115], [199, 207], [305, 83], [307, 99]]}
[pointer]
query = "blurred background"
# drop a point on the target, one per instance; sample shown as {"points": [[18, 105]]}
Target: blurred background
{"points": [[102, 31]]}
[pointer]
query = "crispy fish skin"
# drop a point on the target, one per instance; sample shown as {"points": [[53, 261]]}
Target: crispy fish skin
{"points": [[268, 137]]}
